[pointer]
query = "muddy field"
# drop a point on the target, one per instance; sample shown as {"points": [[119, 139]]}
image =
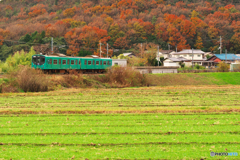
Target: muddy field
{"points": [[181, 122]]}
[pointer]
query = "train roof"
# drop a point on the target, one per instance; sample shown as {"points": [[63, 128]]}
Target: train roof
{"points": [[63, 55]]}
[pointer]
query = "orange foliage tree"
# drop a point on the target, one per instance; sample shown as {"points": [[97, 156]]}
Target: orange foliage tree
{"points": [[39, 9], [85, 37], [69, 12]]}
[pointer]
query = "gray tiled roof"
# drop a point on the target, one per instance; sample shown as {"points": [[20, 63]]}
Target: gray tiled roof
{"points": [[189, 51]]}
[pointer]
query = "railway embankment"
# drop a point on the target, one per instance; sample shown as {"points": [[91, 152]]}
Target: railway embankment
{"points": [[30, 80]]}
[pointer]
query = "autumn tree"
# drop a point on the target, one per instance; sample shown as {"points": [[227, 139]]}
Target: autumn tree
{"points": [[85, 37], [36, 10], [199, 43]]}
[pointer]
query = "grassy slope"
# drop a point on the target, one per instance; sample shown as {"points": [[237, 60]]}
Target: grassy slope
{"points": [[227, 78]]}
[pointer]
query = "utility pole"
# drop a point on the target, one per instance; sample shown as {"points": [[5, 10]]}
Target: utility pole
{"points": [[168, 50], [100, 48], [226, 56], [220, 44], [52, 45], [192, 58], [107, 50], [158, 55]]}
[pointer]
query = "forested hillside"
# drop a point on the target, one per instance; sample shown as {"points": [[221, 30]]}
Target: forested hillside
{"points": [[79, 25]]}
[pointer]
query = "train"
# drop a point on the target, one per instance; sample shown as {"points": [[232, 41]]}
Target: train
{"points": [[64, 64]]}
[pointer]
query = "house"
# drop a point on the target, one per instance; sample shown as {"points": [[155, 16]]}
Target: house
{"points": [[174, 62], [194, 57], [166, 53], [228, 58], [119, 62], [129, 55]]}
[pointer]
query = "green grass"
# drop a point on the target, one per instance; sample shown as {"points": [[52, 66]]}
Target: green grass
{"points": [[213, 78], [118, 136], [182, 122]]}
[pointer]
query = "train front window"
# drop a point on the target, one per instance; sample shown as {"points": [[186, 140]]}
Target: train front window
{"points": [[38, 60], [34, 59]]}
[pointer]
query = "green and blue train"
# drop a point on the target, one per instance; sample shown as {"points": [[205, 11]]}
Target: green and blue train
{"points": [[63, 64]]}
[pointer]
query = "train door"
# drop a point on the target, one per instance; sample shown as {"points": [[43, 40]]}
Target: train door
{"points": [[60, 63], [79, 63], [49, 63], [73, 64], [64, 64]]}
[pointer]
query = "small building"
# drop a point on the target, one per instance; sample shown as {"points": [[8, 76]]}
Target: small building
{"points": [[173, 62], [228, 58], [119, 62], [235, 67], [129, 55]]}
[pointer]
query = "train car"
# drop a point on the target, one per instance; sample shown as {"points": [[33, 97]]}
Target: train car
{"points": [[63, 64]]}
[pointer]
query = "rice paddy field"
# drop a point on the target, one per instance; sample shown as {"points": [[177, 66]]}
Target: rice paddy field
{"points": [[177, 122]]}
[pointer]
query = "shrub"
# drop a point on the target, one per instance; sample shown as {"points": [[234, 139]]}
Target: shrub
{"points": [[223, 67], [124, 77], [29, 80], [12, 62], [73, 79], [198, 67]]}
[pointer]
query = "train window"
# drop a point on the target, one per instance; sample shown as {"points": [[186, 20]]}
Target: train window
{"points": [[64, 62], [79, 62], [59, 61], [34, 59], [100, 62], [72, 61], [42, 60], [104, 62], [68, 61], [89, 62], [85, 62], [76, 62], [93, 62], [50, 61], [97, 62], [108, 63], [54, 61]]}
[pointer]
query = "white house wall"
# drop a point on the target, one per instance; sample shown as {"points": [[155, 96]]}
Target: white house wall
{"points": [[171, 64], [189, 56], [119, 62]]}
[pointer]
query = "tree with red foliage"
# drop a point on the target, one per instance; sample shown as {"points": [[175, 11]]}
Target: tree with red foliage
{"points": [[121, 43], [188, 28], [37, 10], [1, 40], [87, 36]]}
